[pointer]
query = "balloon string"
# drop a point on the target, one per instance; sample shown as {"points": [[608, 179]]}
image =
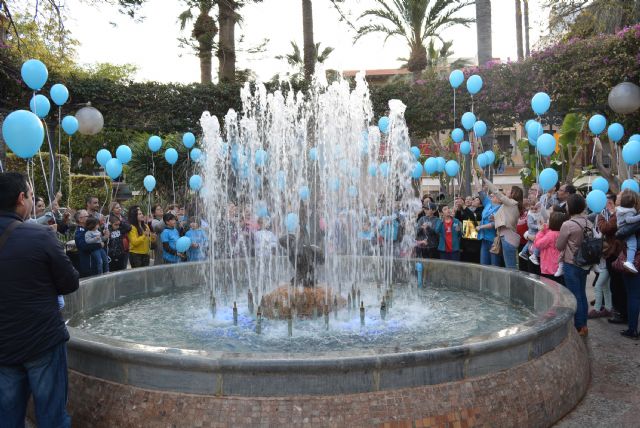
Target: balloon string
{"points": [[30, 179], [454, 108], [596, 140], [59, 148], [44, 176], [173, 186], [52, 162], [1, 167]]}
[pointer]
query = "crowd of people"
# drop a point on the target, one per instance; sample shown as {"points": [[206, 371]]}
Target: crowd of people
{"points": [[540, 232]]}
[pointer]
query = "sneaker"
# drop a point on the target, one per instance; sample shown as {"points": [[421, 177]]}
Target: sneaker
{"points": [[534, 259], [559, 272], [594, 314], [630, 267], [630, 334], [583, 331], [523, 255], [605, 312]]}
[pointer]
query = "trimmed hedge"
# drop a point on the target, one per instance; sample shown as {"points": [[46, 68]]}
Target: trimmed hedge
{"points": [[85, 185], [16, 164]]}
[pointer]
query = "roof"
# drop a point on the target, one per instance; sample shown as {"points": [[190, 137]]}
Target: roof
{"points": [[378, 72]]}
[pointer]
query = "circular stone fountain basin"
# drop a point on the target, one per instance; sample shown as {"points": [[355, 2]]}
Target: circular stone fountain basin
{"points": [[530, 368]]}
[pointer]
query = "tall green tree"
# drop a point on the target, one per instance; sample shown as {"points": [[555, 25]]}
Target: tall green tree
{"points": [[203, 32], [483, 31], [415, 21]]}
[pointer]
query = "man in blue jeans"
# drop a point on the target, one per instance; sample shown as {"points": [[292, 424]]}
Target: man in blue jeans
{"points": [[34, 271]]}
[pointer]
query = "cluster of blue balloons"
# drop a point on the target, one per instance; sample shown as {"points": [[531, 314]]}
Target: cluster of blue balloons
{"points": [[534, 131], [451, 168], [434, 165], [486, 159], [474, 83], [631, 150]]}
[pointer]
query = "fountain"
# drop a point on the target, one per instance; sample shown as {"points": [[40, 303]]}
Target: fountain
{"points": [[246, 337]]}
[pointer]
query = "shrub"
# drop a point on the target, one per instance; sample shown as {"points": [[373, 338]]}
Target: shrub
{"points": [[16, 164], [85, 185]]}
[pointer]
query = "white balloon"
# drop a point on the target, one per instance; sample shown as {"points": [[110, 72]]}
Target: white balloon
{"points": [[90, 120], [624, 98]]}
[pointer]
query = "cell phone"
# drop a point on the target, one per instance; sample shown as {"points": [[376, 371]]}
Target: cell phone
{"points": [[51, 221]]}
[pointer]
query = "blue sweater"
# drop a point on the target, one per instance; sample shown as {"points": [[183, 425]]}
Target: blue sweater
{"points": [[456, 234], [490, 209]]}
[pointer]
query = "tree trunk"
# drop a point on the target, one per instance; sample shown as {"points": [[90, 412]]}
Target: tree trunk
{"points": [[519, 29], [205, 64], [526, 28], [483, 31], [308, 46], [227, 42]]}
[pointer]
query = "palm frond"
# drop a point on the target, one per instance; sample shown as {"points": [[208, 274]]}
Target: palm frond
{"points": [[185, 17]]}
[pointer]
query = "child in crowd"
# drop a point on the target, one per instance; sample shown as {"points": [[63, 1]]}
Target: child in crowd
{"points": [[625, 214], [93, 236], [449, 230], [534, 221], [264, 240], [169, 237], [545, 242], [427, 239], [199, 241], [116, 245], [366, 238]]}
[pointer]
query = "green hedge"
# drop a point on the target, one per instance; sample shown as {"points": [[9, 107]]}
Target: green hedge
{"points": [[16, 164], [85, 185]]}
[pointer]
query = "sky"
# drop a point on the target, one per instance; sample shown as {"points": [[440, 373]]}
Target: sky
{"points": [[152, 45]]}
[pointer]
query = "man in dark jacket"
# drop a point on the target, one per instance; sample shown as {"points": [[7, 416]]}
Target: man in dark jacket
{"points": [[87, 265], [34, 271]]}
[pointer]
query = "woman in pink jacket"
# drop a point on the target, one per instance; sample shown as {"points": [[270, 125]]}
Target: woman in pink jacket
{"points": [[546, 242]]}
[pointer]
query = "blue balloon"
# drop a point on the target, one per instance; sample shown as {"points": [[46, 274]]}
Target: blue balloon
{"points": [[291, 222], [548, 178], [154, 143], [195, 182], [334, 184], [281, 180], [482, 160], [373, 169], [384, 169], [534, 131], [113, 168], [431, 166], [188, 139], [630, 184], [40, 105], [23, 132], [546, 144], [262, 210], [59, 94], [149, 183], [195, 154], [631, 152], [171, 156], [465, 147], [634, 137], [441, 163], [416, 173], [529, 123], [597, 123], [383, 124], [474, 84], [457, 135], [540, 103], [615, 132], [103, 156], [313, 154], [34, 73], [304, 192], [596, 200], [123, 154], [456, 77], [468, 120], [600, 183], [182, 244], [490, 156], [480, 128], [353, 191], [416, 152], [261, 157], [355, 173], [70, 125], [452, 168]]}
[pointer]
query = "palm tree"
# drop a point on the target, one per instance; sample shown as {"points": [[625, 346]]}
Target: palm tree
{"points": [[416, 21], [307, 36], [527, 49], [296, 60], [227, 19], [483, 31], [204, 31], [519, 29]]}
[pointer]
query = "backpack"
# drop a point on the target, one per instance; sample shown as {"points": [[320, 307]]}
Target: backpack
{"points": [[590, 250]]}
